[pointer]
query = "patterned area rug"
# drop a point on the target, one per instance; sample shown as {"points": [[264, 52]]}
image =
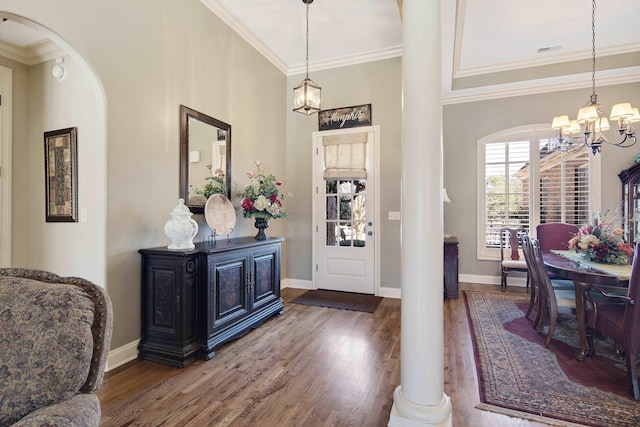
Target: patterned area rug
{"points": [[519, 377], [342, 300]]}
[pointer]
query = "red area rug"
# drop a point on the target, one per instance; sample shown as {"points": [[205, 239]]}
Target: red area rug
{"points": [[517, 376]]}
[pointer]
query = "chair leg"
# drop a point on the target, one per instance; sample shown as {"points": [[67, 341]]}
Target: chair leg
{"points": [[553, 316], [542, 314], [532, 300], [591, 349], [503, 283], [633, 374], [552, 328], [528, 281]]}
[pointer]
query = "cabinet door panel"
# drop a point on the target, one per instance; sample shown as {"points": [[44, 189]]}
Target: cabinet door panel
{"points": [[266, 275], [227, 290], [163, 296]]}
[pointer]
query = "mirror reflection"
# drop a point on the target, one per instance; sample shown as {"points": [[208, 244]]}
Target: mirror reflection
{"points": [[205, 158]]}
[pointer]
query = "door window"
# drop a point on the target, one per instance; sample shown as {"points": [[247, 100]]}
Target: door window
{"points": [[345, 209]]}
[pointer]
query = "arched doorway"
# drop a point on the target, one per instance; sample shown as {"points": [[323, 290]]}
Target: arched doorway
{"points": [[39, 103]]}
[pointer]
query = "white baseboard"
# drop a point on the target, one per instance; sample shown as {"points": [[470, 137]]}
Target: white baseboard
{"points": [[296, 284], [492, 280], [390, 292], [308, 284], [122, 355]]}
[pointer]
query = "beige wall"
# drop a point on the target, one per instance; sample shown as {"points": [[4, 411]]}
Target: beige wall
{"points": [[159, 55], [20, 150], [376, 83], [464, 124], [67, 248]]}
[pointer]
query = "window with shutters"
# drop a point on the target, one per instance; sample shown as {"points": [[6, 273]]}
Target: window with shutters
{"points": [[522, 183]]}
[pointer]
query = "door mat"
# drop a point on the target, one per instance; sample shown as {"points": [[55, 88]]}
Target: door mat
{"points": [[519, 377], [341, 300]]}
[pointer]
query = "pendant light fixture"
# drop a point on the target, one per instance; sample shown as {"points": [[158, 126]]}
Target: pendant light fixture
{"points": [[591, 121], [306, 96]]}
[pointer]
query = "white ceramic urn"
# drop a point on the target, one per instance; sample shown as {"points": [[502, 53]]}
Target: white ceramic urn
{"points": [[181, 228]]}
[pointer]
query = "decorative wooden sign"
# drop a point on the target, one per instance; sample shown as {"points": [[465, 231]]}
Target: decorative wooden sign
{"points": [[347, 117]]}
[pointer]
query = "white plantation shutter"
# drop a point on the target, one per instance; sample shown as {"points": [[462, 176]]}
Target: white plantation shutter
{"points": [[564, 185], [345, 156], [507, 188], [526, 184]]}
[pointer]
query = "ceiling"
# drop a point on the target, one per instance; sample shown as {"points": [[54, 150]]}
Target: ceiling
{"points": [[490, 48]]}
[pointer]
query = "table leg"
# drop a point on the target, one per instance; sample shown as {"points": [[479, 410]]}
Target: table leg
{"points": [[581, 309]]}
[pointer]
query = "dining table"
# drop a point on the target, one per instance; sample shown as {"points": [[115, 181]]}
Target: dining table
{"points": [[572, 266]]}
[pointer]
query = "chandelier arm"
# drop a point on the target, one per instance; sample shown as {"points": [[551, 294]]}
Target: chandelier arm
{"points": [[624, 144]]}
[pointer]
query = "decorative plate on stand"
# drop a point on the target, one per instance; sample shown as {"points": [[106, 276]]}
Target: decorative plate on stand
{"points": [[220, 215]]}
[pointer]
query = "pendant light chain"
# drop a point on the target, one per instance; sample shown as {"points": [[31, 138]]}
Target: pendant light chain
{"points": [[593, 52], [306, 96], [307, 61]]}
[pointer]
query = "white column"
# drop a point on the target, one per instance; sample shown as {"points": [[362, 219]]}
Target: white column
{"points": [[420, 399]]}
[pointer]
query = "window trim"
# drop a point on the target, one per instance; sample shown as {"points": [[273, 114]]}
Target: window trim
{"points": [[533, 133]]}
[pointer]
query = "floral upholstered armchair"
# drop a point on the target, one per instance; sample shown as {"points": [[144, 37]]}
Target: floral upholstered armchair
{"points": [[54, 341]]}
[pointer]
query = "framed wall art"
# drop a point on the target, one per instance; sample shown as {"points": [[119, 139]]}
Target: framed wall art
{"points": [[61, 178]]}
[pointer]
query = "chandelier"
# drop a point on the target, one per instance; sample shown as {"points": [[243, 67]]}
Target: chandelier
{"points": [[591, 121], [306, 96]]}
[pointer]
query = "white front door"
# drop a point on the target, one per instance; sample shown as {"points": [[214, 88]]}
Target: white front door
{"points": [[345, 216]]}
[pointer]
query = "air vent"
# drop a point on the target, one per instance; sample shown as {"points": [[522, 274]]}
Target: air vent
{"points": [[549, 49]]}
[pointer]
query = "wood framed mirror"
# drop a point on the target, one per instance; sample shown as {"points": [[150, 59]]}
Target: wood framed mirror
{"points": [[205, 151]]}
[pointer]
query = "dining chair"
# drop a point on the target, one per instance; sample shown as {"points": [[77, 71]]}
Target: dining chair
{"points": [[618, 317], [509, 254], [548, 298], [555, 235], [556, 284]]}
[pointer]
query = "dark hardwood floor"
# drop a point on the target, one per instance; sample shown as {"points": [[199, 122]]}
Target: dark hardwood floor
{"points": [[312, 366]]}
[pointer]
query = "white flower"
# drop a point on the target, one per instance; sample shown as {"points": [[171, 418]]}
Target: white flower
{"points": [[588, 241], [274, 209], [261, 203]]}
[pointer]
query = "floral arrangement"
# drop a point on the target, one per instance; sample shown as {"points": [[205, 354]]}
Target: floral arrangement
{"points": [[601, 242], [262, 198], [214, 184]]}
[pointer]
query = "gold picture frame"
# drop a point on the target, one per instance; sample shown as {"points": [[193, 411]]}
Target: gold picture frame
{"points": [[61, 179]]}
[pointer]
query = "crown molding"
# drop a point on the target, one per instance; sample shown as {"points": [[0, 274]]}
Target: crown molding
{"points": [[223, 13], [344, 61], [547, 85], [33, 54], [546, 60]]}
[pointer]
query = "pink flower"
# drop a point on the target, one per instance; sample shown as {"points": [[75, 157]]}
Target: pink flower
{"points": [[250, 174], [258, 163], [278, 183]]}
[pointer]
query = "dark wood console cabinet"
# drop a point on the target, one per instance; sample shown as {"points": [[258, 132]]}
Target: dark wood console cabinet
{"points": [[451, 267], [195, 300]]}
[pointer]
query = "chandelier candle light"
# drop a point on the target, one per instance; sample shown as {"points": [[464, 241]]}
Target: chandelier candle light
{"points": [[591, 121], [306, 96]]}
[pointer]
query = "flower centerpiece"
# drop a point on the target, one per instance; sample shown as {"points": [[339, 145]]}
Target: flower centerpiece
{"points": [[215, 183], [600, 241], [262, 200]]}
